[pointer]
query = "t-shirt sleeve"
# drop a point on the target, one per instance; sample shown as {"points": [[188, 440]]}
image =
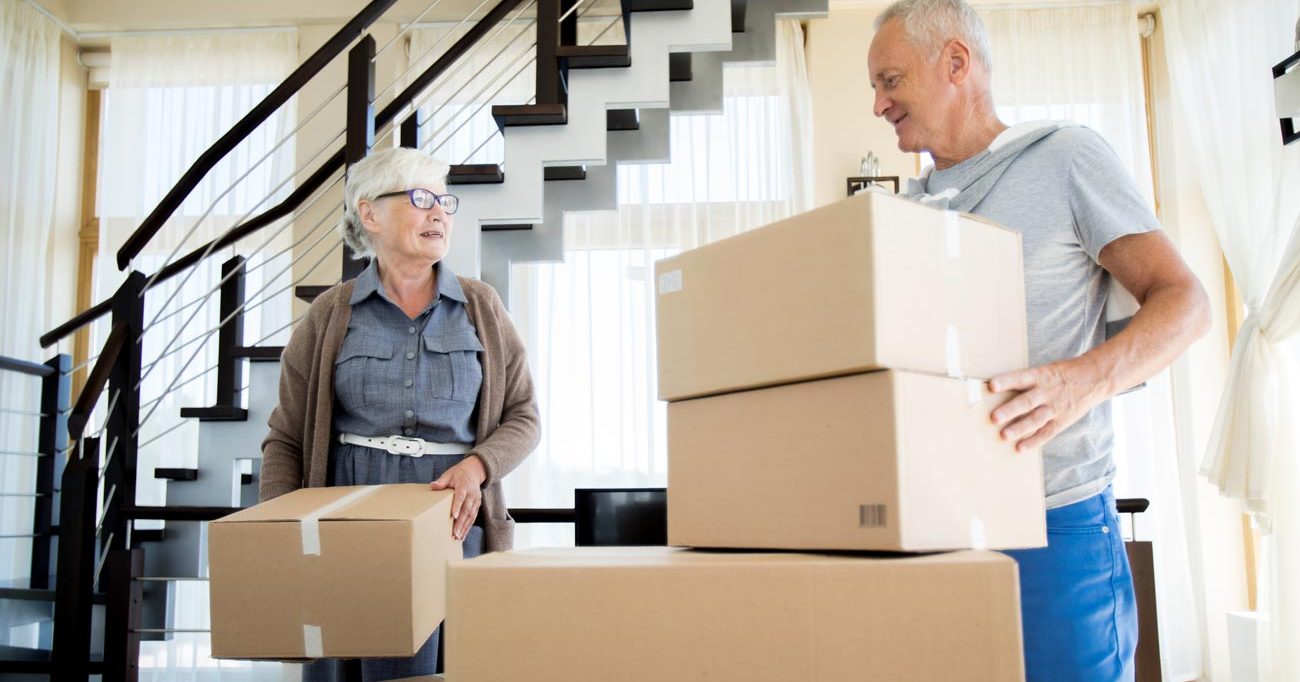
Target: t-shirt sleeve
{"points": [[1104, 199]]}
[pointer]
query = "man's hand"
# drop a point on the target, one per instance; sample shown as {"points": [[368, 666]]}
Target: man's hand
{"points": [[466, 478], [1051, 398]]}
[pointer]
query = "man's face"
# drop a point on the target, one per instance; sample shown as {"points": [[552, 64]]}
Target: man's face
{"points": [[911, 90]]}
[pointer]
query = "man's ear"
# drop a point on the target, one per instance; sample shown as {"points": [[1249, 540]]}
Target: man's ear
{"points": [[956, 58]]}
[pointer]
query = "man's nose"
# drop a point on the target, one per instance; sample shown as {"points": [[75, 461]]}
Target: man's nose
{"points": [[881, 104]]}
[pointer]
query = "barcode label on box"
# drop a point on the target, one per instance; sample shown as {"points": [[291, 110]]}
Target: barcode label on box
{"points": [[871, 516], [670, 281]]}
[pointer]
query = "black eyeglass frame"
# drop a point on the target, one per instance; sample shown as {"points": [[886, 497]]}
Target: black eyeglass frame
{"points": [[437, 199]]}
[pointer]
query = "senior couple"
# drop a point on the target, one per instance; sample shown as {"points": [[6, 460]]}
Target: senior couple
{"points": [[408, 352]]}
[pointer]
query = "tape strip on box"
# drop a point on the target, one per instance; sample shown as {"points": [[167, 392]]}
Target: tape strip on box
{"points": [[952, 233], [977, 540], [974, 391], [952, 351], [313, 645], [670, 282], [311, 523]]}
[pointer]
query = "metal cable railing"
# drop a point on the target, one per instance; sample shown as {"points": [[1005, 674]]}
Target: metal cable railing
{"points": [[413, 63], [433, 136], [455, 69], [405, 29], [237, 311], [224, 279], [212, 206]]}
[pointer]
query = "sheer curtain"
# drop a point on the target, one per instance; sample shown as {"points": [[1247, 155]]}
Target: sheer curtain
{"points": [[1249, 181], [29, 90], [1084, 64], [588, 322], [169, 98]]}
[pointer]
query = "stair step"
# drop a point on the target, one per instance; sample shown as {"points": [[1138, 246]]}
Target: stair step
{"points": [[530, 115], [260, 353], [565, 173], [39, 595], [176, 513], [216, 413], [506, 228], [309, 292], [20, 660], [679, 67], [149, 535], [657, 5], [475, 174], [245, 479], [594, 56], [171, 474], [622, 119]]}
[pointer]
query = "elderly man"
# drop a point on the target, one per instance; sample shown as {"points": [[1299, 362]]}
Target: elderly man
{"points": [[1083, 222]]}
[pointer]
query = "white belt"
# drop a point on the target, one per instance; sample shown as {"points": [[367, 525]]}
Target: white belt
{"points": [[406, 445]]}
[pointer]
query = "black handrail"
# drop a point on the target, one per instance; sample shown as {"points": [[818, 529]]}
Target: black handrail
{"points": [[9, 364], [334, 47], [97, 380], [316, 180]]}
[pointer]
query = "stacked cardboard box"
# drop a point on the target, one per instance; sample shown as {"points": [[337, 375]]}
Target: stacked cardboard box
{"points": [[825, 384]]}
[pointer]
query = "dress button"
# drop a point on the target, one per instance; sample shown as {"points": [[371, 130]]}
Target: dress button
{"points": [[410, 330], [406, 431], [409, 414], [407, 383], [410, 355]]}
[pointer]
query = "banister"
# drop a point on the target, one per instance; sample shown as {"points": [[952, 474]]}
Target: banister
{"points": [[246, 125], [9, 364], [97, 380]]}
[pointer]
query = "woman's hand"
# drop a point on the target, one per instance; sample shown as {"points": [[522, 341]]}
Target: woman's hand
{"points": [[466, 478]]}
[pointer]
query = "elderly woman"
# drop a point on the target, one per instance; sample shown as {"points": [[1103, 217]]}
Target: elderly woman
{"points": [[406, 374]]}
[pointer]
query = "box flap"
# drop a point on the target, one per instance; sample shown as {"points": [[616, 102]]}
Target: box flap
{"points": [[639, 557], [388, 502]]}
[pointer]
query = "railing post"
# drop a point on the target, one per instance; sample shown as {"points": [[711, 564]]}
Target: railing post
{"points": [[74, 588], [230, 369], [122, 615], [56, 398], [122, 424], [360, 122], [410, 133], [550, 90]]}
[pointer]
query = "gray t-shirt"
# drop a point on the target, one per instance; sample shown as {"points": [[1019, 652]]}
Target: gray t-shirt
{"points": [[1069, 197]]}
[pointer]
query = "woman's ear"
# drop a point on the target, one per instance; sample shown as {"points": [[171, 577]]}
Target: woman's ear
{"points": [[368, 212]]}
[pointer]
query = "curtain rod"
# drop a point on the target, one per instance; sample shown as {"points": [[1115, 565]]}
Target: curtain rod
{"points": [[57, 21]]}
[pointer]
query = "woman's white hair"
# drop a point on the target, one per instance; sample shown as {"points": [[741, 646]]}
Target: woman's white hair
{"points": [[390, 170], [932, 23]]}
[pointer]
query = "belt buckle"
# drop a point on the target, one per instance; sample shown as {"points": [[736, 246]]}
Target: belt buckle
{"points": [[405, 445]]}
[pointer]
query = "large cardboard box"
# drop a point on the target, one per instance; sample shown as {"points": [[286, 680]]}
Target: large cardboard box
{"points": [[349, 571], [871, 282], [880, 461], [635, 614]]}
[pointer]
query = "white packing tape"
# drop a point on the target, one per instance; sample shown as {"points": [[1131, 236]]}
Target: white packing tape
{"points": [[312, 644], [952, 233], [310, 523], [977, 540], [974, 391], [670, 282], [952, 351]]}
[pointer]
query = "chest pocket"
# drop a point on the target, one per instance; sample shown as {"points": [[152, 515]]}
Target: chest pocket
{"points": [[362, 363], [457, 373]]}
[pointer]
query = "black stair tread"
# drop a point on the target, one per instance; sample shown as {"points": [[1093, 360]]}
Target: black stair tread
{"points": [[565, 173], [622, 119], [176, 474], [515, 227], [309, 292], [679, 67], [475, 174], [38, 595], [245, 479], [149, 535], [20, 660], [657, 5], [594, 56], [176, 512], [530, 114], [259, 353], [216, 413]]}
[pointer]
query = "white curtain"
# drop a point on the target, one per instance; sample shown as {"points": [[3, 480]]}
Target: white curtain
{"points": [[1084, 64], [29, 102], [169, 98], [1249, 181], [588, 322]]}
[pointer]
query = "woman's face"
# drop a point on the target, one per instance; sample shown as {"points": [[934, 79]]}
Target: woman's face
{"points": [[399, 230]]}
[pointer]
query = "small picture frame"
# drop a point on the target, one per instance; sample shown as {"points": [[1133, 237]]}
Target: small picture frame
{"points": [[859, 183]]}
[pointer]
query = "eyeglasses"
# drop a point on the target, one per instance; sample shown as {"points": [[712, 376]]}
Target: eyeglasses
{"points": [[423, 198]]}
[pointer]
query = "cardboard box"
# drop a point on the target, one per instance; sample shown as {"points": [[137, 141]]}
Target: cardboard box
{"points": [[888, 460], [871, 282], [349, 571], [632, 614]]}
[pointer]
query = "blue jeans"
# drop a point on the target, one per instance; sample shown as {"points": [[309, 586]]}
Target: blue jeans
{"points": [[1077, 606]]}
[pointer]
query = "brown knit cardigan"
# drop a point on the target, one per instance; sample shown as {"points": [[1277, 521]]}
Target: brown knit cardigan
{"points": [[295, 452]]}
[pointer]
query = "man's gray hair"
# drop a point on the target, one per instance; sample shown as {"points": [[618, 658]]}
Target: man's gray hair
{"points": [[932, 23], [390, 170]]}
